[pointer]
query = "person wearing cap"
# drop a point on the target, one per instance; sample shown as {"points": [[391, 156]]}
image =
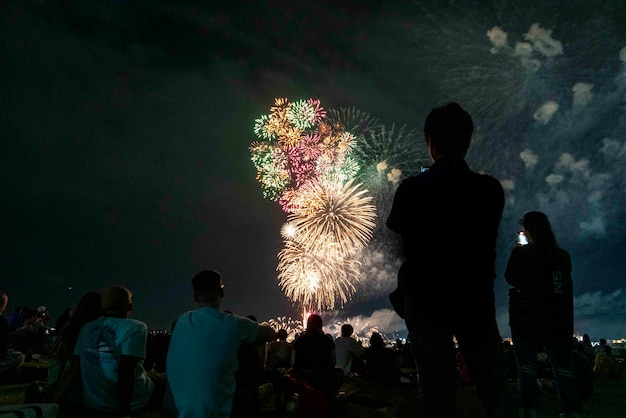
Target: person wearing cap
{"points": [[108, 355], [448, 219], [541, 314], [203, 354]]}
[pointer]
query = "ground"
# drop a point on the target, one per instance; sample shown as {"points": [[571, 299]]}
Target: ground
{"points": [[361, 398]]}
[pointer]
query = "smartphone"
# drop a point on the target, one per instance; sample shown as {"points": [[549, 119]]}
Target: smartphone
{"points": [[522, 239], [424, 168]]}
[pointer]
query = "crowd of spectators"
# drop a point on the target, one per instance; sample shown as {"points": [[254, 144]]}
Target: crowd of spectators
{"points": [[263, 364]]}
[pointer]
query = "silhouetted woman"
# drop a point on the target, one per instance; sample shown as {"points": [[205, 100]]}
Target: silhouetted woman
{"points": [[541, 314], [87, 310]]}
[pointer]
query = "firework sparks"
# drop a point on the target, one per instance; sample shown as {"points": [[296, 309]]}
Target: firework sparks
{"points": [[317, 277], [308, 164], [329, 212]]}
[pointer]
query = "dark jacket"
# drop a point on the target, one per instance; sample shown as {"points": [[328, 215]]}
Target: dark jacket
{"points": [[541, 300], [448, 218]]}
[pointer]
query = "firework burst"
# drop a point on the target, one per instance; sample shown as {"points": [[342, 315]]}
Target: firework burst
{"points": [[316, 276], [292, 326], [329, 212], [308, 163]]}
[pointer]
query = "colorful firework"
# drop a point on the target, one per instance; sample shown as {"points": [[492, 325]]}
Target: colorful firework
{"points": [[334, 213], [314, 166], [352, 120], [385, 157]]}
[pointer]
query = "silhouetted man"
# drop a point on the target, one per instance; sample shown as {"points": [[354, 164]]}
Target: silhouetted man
{"points": [[448, 218]]}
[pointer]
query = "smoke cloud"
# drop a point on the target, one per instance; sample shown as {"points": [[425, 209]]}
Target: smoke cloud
{"points": [[529, 158], [543, 42], [383, 321], [546, 111], [498, 38], [582, 94]]}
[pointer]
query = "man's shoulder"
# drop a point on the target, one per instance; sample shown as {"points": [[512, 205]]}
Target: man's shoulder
{"points": [[206, 314], [485, 179]]}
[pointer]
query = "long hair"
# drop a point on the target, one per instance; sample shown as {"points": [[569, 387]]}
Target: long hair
{"points": [[87, 310], [540, 231], [314, 324]]}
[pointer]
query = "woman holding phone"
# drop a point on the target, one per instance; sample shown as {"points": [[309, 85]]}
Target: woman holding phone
{"points": [[541, 313]]}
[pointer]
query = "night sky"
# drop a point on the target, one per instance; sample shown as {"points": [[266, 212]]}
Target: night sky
{"points": [[126, 125]]}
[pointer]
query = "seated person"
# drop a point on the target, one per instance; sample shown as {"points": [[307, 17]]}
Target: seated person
{"points": [[10, 360], [108, 354], [315, 358], [279, 353], [381, 362], [347, 349], [248, 378], [203, 355], [60, 355], [604, 366]]}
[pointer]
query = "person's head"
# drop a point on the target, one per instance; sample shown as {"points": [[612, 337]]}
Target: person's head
{"points": [[602, 341], [117, 302], [88, 309], [376, 340], [4, 301], [282, 334], [208, 288], [448, 131], [314, 324], [537, 228], [346, 330]]}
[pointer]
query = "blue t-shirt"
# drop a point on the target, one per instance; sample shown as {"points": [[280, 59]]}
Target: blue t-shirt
{"points": [[202, 361], [100, 345]]}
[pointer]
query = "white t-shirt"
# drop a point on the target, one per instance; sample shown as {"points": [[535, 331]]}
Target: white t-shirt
{"points": [[100, 345], [346, 349], [202, 361]]}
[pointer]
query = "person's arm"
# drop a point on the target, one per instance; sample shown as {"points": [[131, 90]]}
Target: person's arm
{"points": [[513, 273], [395, 221], [355, 348], [66, 381], [126, 383]]}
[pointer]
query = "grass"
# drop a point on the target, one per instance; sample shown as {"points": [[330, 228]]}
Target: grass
{"points": [[365, 399]]}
